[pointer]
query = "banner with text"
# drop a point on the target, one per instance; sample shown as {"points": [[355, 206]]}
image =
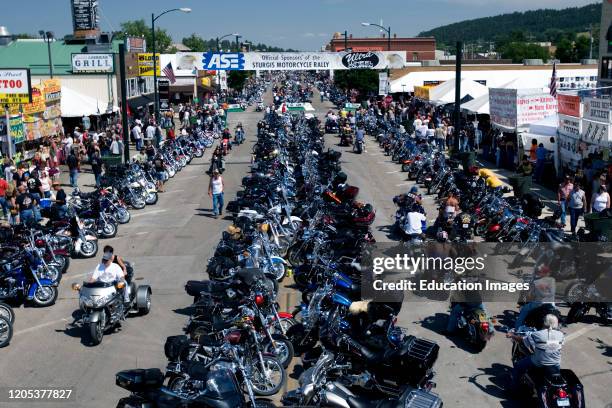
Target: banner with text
{"points": [[15, 86], [569, 105], [145, 64], [597, 109], [290, 61]]}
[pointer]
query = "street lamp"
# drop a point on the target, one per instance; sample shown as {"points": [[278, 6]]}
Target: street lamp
{"points": [[153, 19], [238, 37], [225, 36], [48, 37], [388, 30]]}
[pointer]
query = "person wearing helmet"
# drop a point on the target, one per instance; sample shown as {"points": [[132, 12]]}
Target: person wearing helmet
{"points": [[414, 195], [415, 222]]}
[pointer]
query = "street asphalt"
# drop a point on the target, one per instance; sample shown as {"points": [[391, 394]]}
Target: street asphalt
{"points": [[170, 244]]}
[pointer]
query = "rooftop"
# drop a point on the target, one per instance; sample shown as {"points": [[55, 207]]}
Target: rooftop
{"points": [[33, 54]]}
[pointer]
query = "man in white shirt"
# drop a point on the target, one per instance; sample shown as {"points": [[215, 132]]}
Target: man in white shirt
{"points": [[151, 132], [108, 271], [137, 135], [414, 223]]}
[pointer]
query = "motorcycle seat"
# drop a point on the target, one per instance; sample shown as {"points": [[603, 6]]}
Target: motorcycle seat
{"points": [[550, 374]]}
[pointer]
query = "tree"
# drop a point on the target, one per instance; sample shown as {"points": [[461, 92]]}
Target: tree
{"points": [[138, 28], [519, 51], [363, 80], [195, 43], [565, 51], [236, 79], [582, 47]]}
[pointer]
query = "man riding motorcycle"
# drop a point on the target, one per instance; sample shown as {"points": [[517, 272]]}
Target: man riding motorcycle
{"points": [[545, 344], [111, 269]]}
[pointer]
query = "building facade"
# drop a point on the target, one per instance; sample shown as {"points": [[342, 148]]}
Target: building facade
{"points": [[417, 49], [605, 44]]}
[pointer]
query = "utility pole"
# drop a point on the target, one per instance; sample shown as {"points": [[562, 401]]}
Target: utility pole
{"points": [[591, 41], [345, 40], [457, 116], [155, 100], [124, 117]]}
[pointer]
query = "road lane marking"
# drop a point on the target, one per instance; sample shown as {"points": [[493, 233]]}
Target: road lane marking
{"points": [[402, 184], [142, 233], [579, 333], [40, 326], [148, 213], [393, 172]]}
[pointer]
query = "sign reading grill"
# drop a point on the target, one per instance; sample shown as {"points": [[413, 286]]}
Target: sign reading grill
{"points": [[360, 60]]}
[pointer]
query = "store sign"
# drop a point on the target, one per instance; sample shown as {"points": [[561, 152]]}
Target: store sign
{"points": [[502, 107], [145, 64], [383, 83], [163, 88], [84, 14], [531, 108], [569, 126], [15, 86], [289, 61], [38, 101], [422, 92], [16, 129], [136, 44], [92, 63], [597, 109], [569, 105], [596, 133]]}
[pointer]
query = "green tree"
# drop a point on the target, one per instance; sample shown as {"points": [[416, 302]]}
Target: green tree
{"points": [[195, 43], [565, 51], [363, 80], [138, 28], [582, 47], [519, 51], [236, 79]]}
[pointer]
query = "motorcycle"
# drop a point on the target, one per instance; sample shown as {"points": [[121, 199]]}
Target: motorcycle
{"points": [[104, 307]]}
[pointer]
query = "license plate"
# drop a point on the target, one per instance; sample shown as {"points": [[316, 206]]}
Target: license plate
{"points": [[466, 225], [563, 402]]}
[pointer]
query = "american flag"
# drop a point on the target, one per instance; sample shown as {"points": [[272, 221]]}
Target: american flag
{"points": [[553, 81], [169, 72]]}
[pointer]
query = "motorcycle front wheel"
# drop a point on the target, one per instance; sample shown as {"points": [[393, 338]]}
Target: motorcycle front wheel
{"points": [[151, 198], [89, 249], [123, 216], [269, 379], [6, 332], [7, 312], [283, 350], [109, 230], [96, 332], [138, 203], [45, 295]]}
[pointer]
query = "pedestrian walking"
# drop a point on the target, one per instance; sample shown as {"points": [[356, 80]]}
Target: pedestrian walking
{"points": [[73, 166], [137, 134], [563, 193], [96, 167], [25, 205], [215, 191], [540, 154], [576, 201], [4, 186]]}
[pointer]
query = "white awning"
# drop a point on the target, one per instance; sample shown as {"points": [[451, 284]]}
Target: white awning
{"points": [[479, 105], [445, 93], [75, 104]]}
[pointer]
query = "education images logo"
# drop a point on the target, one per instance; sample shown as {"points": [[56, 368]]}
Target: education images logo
{"points": [[223, 61]]}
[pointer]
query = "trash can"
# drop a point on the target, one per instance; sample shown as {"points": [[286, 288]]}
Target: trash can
{"points": [[600, 225], [521, 185], [468, 159]]}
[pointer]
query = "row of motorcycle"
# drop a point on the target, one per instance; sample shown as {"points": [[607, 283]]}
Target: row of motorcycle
{"points": [[296, 217], [35, 256]]}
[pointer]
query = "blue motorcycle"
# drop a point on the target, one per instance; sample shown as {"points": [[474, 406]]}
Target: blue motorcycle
{"points": [[19, 280]]}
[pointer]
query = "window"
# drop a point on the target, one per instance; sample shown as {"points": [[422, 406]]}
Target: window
{"points": [[415, 56], [606, 68]]}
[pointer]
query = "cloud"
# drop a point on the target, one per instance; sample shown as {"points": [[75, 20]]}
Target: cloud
{"points": [[308, 35]]}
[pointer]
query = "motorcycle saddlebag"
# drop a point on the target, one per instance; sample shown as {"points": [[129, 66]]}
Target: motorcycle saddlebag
{"points": [[174, 346], [422, 399], [419, 356], [139, 380]]}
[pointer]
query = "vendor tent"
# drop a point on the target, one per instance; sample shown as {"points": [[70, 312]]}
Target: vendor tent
{"points": [[545, 127], [75, 104], [478, 105], [445, 93]]}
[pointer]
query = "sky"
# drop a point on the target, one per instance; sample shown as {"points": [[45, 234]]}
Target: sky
{"points": [[303, 25]]}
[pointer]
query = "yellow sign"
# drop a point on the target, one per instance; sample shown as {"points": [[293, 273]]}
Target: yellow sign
{"points": [[422, 92], [145, 64], [52, 89], [205, 81], [13, 99], [38, 101]]}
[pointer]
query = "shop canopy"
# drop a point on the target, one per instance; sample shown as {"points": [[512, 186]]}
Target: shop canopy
{"points": [[445, 93], [75, 105]]}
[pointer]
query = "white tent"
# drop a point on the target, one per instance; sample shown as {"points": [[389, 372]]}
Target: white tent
{"points": [[545, 127], [478, 105], [74, 104], [445, 93]]}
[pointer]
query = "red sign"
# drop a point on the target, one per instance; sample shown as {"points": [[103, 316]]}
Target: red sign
{"points": [[569, 104]]}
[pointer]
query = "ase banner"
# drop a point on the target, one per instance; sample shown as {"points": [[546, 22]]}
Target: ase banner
{"points": [[289, 61]]}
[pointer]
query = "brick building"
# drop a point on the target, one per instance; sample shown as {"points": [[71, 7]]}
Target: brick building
{"points": [[417, 49]]}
